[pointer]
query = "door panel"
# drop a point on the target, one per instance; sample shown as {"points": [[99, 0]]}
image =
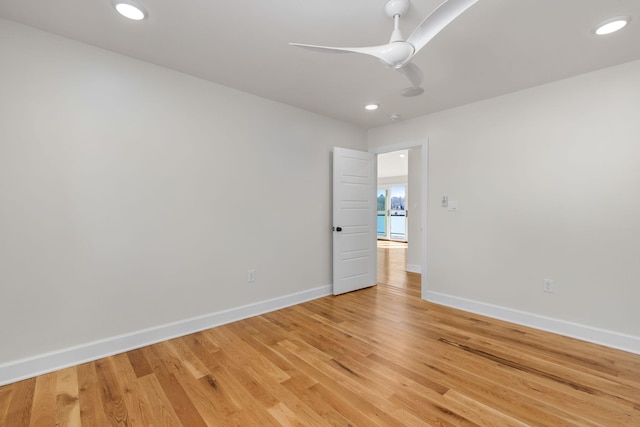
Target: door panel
{"points": [[354, 214], [355, 242]]}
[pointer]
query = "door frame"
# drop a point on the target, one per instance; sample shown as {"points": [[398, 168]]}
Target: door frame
{"points": [[422, 143]]}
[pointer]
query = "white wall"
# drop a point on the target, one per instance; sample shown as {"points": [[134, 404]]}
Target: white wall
{"points": [[414, 249], [132, 195], [547, 182]]}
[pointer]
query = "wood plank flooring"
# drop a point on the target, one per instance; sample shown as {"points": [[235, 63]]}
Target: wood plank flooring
{"points": [[380, 356]]}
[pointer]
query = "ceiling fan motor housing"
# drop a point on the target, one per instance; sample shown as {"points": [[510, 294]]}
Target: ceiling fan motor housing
{"points": [[396, 54]]}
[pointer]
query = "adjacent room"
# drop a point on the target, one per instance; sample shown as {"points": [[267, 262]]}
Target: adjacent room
{"points": [[209, 218]]}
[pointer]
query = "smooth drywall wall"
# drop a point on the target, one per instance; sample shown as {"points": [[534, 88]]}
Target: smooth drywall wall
{"points": [[414, 223], [547, 183], [133, 196]]}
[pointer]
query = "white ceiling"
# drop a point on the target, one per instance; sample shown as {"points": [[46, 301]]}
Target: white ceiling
{"points": [[393, 164], [495, 47]]}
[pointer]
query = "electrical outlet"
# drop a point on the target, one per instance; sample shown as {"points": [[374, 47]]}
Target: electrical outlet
{"points": [[251, 276], [548, 286]]}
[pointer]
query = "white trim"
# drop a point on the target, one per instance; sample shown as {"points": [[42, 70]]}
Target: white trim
{"points": [[411, 268], [612, 339], [48, 362], [400, 146]]}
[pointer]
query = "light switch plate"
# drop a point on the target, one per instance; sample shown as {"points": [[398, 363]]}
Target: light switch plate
{"points": [[452, 205]]}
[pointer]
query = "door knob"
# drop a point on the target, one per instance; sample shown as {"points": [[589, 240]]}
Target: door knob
{"points": [[338, 228]]}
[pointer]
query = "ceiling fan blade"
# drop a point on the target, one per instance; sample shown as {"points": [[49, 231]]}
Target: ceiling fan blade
{"points": [[413, 73], [326, 49], [442, 16], [394, 54]]}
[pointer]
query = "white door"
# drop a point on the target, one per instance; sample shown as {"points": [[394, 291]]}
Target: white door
{"points": [[354, 220]]}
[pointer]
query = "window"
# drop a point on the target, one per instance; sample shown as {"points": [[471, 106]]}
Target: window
{"points": [[392, 212]]}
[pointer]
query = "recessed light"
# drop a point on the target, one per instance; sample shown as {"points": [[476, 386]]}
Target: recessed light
{"points": [[612, 25], [130, 9], [371, 107]]}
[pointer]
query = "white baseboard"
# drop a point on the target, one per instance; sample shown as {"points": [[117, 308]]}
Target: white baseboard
{"points": [[414, 268], [612, 339], [48, 362]]}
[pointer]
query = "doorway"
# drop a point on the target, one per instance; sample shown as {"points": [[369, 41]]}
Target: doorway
{"points": [[392, 195], [416, 192], [416, 153]]}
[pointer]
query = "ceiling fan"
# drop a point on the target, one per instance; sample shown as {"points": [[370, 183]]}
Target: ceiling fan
{"points": [[398, 53]]}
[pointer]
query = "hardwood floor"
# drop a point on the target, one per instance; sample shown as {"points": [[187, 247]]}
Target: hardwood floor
{"points": [[380, 356]]}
